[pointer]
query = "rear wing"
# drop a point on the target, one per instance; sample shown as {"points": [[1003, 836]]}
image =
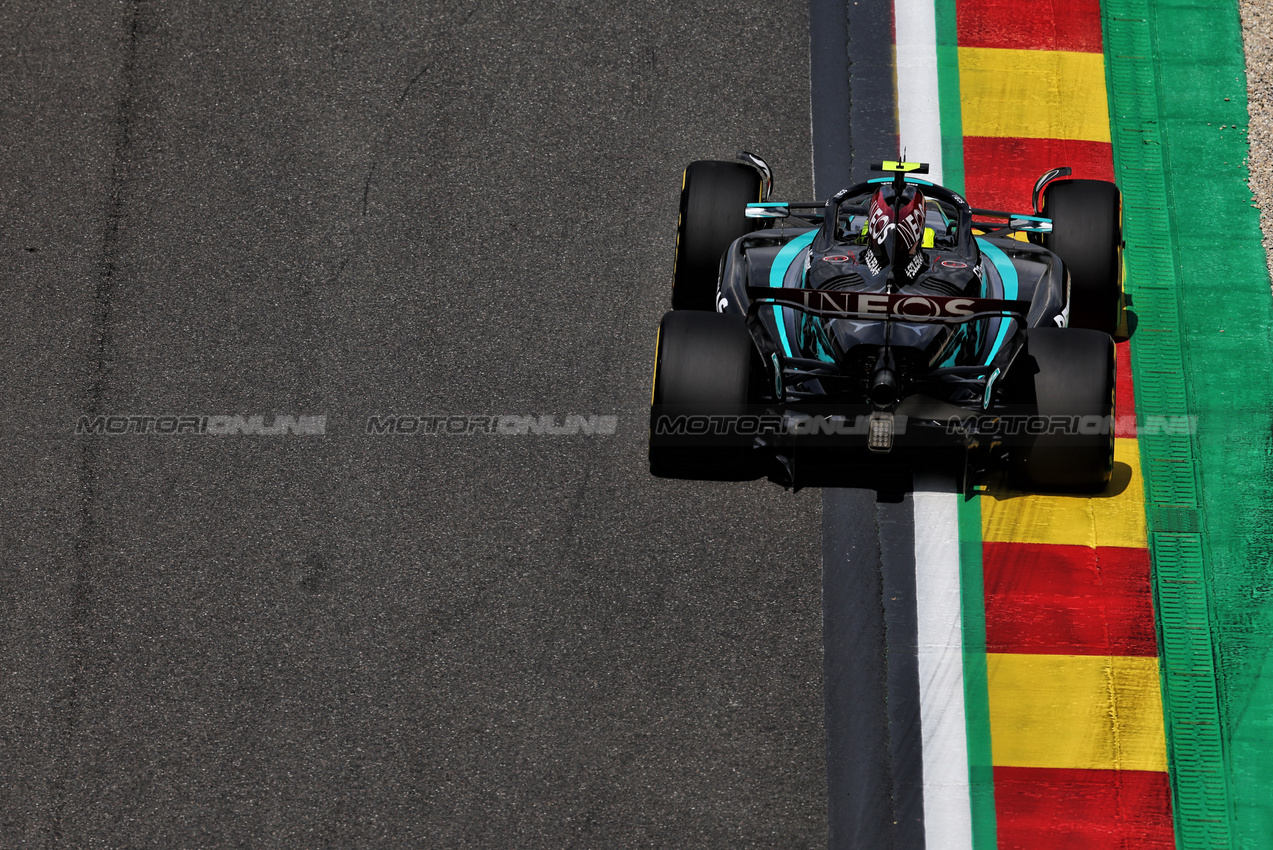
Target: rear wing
{"points": [[899, 306], [815, 213]]}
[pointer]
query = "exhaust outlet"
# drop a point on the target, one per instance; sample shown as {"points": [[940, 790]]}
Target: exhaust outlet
{"points": [[883, 391]]}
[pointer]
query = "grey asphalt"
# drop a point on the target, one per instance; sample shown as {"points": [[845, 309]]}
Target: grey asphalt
{"points": [[870, 667], [354, 640]]}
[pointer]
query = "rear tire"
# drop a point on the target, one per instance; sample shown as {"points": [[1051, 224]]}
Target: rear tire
{"points": [[1087, 234], [714, 198], [1073, 377], [702, 368]]}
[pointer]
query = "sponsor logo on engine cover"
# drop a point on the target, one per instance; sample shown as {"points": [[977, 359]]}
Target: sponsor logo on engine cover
{"points": [[902, 305], [912, 268]]}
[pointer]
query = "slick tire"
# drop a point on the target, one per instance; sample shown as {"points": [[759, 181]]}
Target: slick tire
{"points": [[1087, 236], [714, 197], [702, 369], [1066, 377]]}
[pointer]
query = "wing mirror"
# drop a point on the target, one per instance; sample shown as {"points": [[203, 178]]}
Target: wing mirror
{"points": [[766, 175], [776, 209], [1044, 180]]}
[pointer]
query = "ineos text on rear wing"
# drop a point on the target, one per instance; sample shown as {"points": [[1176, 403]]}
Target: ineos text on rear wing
{"points": [[834, 304]]}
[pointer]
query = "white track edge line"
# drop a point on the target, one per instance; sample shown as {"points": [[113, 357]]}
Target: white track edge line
{"points": [[918, 104], [943, 720]]}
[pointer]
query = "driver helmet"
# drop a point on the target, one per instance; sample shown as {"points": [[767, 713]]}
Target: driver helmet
{"points": [[909, 225]]}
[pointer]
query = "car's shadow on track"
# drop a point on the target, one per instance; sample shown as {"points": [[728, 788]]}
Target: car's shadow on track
{"points": [[998, 488], [892, 478], [1132, 321]]}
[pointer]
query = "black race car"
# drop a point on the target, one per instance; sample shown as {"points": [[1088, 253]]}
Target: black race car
{"points": [[893, 317]]}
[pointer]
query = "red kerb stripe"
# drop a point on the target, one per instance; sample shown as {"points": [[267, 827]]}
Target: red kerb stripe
{"points": [[1036, 25], [1051, 809], [1068, 600], [1000, 173]]}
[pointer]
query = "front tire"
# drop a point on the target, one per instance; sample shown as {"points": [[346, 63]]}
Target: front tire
{"points": [[714, 198], [702, 369], [1068, 377], [1087, 235]]}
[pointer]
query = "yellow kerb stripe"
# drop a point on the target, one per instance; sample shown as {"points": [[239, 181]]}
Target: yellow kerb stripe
{"points": [[1076, 711], [1037, 94], [1009, 516]]}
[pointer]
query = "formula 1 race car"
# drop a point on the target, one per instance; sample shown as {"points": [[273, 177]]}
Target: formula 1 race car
{"points": [[892, 317]]}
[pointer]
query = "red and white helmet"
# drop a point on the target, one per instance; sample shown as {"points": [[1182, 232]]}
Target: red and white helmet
{"points": [[908, 223]]}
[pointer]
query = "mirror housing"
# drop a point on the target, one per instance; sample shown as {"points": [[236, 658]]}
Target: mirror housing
{"points": [[766, 175], [767, 209]]}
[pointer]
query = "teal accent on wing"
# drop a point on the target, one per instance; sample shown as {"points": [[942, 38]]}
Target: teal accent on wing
{"points": [[990, 385], [778, 271], [954, 348], [908, 180], [810, 327], [1008, 272]]}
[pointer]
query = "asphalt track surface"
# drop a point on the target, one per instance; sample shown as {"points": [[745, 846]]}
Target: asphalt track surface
{"points": [[351, 640]]}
